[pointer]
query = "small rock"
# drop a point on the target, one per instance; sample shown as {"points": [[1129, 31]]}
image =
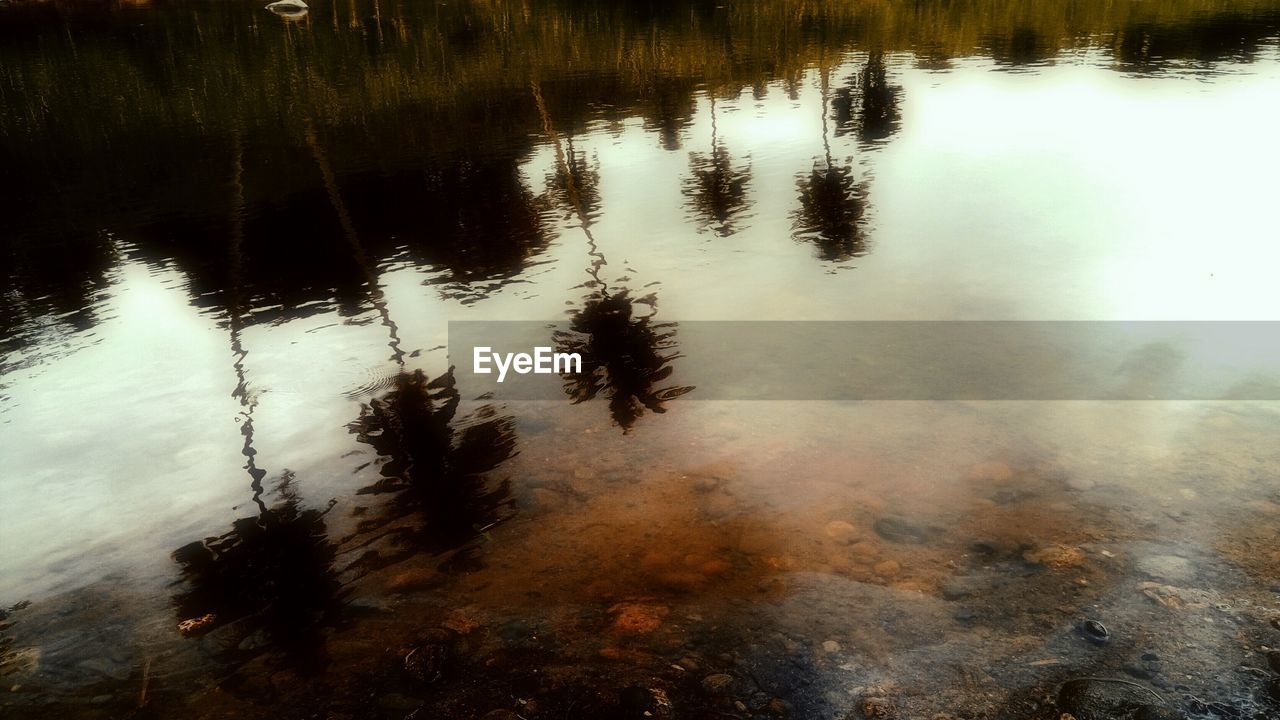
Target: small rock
{"points": [[841, 531], [717, 684], [898, 530], [831, 646], [864, 549], [1095, 632], [637, 618]]}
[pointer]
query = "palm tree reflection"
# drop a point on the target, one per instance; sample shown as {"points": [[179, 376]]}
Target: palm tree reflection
{"points": [[270, 580], [868, 106], [434, 465], [717, 191], [831, 202], [625, 355]]}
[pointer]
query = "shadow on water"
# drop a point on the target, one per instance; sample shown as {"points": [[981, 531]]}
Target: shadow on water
{"points": [[624, 355], [868, 105], [716, 189], [436, 467], [832, 203], [268, 584]]}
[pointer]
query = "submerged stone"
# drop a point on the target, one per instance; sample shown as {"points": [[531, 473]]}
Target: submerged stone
{"points": [[1095, 632], [1108, 699], [898, 530]]}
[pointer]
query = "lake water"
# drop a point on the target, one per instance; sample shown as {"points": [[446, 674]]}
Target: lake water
{"points": [[240, 479]]}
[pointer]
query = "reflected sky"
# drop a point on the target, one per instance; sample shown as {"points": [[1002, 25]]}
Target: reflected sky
{"points": [[173, 263]]}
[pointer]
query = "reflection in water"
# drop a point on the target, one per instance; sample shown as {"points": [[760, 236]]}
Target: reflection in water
{"points": [[576, 182], [435, 466], [868, 106], [717, 190], [831, 202], [269, 581], [379, 145], [624, 355]]}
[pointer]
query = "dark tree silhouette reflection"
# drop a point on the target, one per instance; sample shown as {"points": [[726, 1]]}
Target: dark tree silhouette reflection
{"points": [[830, 212], [576, 181], [868, 105], [717, 190], [435, 466], [626, 356], [832, 204], [269, 580]]}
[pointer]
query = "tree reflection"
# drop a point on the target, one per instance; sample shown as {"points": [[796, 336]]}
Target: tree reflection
{"points": [[625, 355], [868, 106], [831, 202], [435, 465], [717, 190], [269, 580], [574, 182]]}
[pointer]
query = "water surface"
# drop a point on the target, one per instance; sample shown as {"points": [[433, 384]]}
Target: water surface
{"points": [[240, 478]]}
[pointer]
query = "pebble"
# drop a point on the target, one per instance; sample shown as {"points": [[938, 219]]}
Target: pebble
{"points": [[637, 618], [899, 530], [841, 531], [717, 684], [831, 646], [1095, 632], [864, 549]]}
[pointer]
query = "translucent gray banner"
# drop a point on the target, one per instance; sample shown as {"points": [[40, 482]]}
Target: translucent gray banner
{"points": [[713, 360]]}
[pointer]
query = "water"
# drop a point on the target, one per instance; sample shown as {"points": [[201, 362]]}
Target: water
{"points": [[240, 479]]}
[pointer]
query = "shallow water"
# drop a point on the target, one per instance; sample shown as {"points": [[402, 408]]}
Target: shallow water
{"points": [[240, 479]]}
